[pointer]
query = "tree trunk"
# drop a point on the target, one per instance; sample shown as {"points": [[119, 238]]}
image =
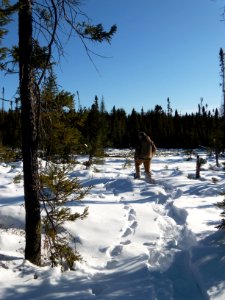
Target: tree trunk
{"points": [[198, 166], [29, 135]]}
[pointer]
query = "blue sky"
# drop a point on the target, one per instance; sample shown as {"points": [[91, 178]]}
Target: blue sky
{"points": [[163, 48]]}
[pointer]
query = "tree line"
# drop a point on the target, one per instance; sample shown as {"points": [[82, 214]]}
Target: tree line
{"points": [[66, 130]]}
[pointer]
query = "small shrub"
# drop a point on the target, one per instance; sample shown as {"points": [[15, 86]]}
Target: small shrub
{"points": [[221, 205], [127, 163], [189, 153], [56, 190], [17, 178], [128, 159], [9, 155], [214, 180]]}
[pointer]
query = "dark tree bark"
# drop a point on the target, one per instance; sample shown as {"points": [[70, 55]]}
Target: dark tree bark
{"points": [[33, 67], [198, 166], [29, 135]]}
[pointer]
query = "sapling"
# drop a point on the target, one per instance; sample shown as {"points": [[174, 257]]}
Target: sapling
{"points": [[221, 205], [128, 160], [57, 190]]}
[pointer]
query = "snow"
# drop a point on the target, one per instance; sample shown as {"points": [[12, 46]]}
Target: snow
{"points": [[145, 241]]}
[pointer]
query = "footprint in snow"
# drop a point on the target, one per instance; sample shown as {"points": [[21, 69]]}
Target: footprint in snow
{"points": [[103, 250], [127, 232], [132, 212], [111, 264], [116, 250], [127, 242], [131, 217], [177, 194], [134, 225], [126, 206], [150, 244]]}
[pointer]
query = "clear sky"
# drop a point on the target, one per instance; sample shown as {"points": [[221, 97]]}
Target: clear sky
{"points": [[163, 48]]}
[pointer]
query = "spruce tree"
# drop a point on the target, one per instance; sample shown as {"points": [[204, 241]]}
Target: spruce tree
{"points": [[33, 66], [222, 74], [93, 131]]}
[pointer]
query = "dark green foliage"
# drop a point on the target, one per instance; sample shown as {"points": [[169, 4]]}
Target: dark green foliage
{"points": [[222, 74], [95, 130], [57, 189], [6, 10], [119, 136], [38, 58], [59, 136], [9, 154], [65, 131], [10, 129], [221, 205], [96, 32]]}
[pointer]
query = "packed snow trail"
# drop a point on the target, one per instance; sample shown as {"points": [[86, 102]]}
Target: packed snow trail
{"points": [[156, 254]]}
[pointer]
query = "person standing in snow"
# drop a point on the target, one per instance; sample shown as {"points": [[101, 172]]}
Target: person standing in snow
{"points": [[144, 151]]}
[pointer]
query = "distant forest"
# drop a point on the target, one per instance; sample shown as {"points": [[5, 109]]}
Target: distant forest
{"points": [[64, 130]]}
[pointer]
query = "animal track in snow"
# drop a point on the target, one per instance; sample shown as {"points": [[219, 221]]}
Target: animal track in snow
{"points": [[116, 250], [131, 217], [126, 207], [132, 212], [127, 242], [127, 232], [174, 235], [134, 225], [132, 222]]}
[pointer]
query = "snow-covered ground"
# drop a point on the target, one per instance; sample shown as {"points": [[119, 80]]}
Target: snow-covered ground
{"points": [[140, 241]]}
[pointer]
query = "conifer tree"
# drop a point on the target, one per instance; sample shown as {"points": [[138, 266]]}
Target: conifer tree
{"points": [[222, 74], [56, 119], [104, 120], [169, 109], [56, 190], [118, 132], [93, 131], [134, 126], [48, 19]]}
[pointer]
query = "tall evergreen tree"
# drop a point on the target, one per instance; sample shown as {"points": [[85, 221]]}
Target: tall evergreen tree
{"points": [[104, 119], [169, 109], [93, 130], [29, 109], [56, 125], [118, 132], [222, 74], [34, 62]]}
